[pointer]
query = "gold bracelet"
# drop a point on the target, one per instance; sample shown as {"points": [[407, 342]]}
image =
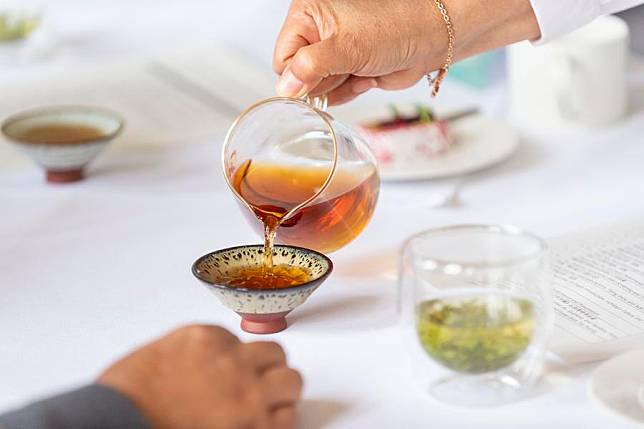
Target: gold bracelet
{"points": [[435, 82]]}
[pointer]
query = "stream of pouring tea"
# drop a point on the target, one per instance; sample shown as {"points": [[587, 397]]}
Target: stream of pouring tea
{"points": [[270, 231]]}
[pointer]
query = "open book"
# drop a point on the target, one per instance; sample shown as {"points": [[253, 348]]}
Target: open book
{"points": [[599, 292], [187, 92]]}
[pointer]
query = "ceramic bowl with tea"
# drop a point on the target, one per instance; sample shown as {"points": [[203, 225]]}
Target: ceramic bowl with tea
{"points": [[63, 140], [262, 304]]}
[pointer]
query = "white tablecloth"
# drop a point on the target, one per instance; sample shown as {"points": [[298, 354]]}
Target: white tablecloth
{"points": [[90, 270]]}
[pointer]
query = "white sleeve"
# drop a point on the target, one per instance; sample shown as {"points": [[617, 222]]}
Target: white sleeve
{"points": [[558, 17]]}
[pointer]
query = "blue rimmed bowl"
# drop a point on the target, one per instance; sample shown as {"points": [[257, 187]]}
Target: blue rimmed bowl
{"points": [[263, 311]]}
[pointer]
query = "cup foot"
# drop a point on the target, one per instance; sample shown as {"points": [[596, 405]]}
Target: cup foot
{"points": [[263, 324], [482, 391], [68, 176]]}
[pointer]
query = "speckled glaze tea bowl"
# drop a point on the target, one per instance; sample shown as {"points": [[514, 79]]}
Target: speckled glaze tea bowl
{"points": [[262, 311], [63, 162]]}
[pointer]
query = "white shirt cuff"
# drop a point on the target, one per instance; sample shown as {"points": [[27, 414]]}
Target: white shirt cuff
{"points": [[613, 6], [558, 17]]}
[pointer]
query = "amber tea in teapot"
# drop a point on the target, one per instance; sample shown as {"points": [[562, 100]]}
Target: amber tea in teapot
{"points": [[328, 223]]}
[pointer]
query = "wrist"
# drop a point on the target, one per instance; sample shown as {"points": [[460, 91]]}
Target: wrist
{"points": [[434, 37], [484, 26], [478, 27]]}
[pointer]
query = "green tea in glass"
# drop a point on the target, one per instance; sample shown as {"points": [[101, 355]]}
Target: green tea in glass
{"points": [[18, 20], [478, 300]]}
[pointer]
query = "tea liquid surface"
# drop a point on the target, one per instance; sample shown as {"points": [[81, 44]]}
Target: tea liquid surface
{"points": [[266, 278], [61, 134]]}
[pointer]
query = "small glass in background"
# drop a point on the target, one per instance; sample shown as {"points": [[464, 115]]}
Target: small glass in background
{"points": [[19, 19], [476, 300]]}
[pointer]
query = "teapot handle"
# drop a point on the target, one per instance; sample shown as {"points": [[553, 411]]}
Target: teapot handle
{"points": [[320, 103]]}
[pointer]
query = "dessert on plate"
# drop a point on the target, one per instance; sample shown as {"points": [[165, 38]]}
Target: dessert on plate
{"points": [[407, 139]]}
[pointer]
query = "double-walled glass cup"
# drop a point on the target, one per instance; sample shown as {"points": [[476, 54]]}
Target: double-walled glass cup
{"points": [[291, 164], [476, 303]]}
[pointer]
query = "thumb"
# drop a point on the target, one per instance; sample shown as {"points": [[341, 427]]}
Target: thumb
{"points": [[310, 65]]}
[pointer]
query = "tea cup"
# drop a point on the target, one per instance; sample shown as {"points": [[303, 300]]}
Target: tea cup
{"points": [[263, 311], [63, 160]]}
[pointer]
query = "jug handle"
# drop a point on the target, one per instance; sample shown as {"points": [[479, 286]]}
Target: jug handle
{"points": [[320, 103]]}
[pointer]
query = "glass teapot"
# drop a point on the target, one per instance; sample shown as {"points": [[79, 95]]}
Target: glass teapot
{"points": [[293, 166]]}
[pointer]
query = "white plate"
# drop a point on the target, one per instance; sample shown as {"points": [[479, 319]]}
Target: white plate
{"points": [[618, 386], [479, 143]]}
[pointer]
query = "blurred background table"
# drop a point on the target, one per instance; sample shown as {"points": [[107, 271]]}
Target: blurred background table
{"points": [[90, 270]]}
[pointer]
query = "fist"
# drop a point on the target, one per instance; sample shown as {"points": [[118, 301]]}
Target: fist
{"points": [[346, 47], [203, 377]]}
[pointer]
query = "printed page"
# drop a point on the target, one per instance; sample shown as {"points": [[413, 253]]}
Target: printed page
{"points": [[188, 92], [599, 292]]}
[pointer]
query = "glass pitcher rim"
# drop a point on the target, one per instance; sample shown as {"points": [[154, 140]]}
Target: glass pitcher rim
{"points": [[322, 114], [510, 230]]}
